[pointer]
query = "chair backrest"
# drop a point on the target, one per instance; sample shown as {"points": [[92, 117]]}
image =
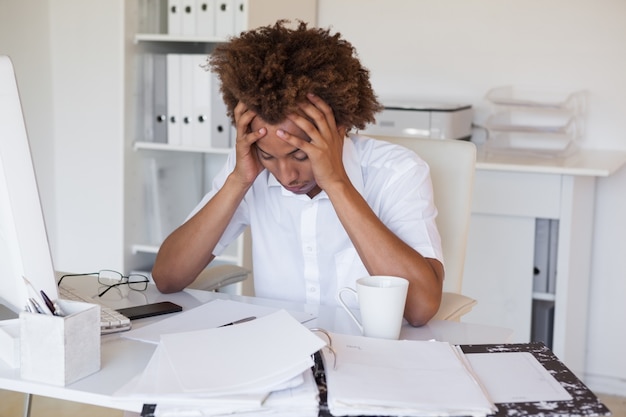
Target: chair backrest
{"points": [[452, 166]]}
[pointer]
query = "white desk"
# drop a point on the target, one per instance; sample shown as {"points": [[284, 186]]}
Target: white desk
{"points": [[122, 359], [510, 193]]}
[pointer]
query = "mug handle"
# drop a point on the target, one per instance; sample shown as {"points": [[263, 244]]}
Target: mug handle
{"points": [[345, 306]]}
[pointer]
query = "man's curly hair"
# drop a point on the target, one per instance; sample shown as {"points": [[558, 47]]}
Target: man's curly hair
{"points": [[271, 69]]}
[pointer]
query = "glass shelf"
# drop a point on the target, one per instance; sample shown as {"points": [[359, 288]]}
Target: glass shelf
{"points": [[156, 146], [165, 37]]}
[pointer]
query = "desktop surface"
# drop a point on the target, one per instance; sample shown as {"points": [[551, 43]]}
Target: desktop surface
{"points": [[123, 358]]}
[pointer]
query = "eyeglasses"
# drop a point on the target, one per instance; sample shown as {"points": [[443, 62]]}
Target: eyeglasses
{"points": [[112, 279]]}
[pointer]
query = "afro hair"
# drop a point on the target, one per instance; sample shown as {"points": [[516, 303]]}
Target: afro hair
{"points": [[272, 69]]}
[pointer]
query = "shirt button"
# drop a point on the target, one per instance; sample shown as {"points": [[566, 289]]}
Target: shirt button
{"points": [[309, 249], [312, 289]]}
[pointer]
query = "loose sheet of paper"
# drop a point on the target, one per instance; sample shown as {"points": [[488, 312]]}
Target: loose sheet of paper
{"points": [[243, 357], [516, 377], [206, 316]]}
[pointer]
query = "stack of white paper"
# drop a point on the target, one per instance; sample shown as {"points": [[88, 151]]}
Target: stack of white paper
{"points": [[300, 401], [263, 364], [408, 378]]}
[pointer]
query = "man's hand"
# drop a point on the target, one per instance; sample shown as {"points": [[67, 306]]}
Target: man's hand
{"points": [[326, 146], [247, 167]]}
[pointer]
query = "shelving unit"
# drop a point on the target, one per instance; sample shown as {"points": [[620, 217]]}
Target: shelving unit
{"points": [[164, 181]]}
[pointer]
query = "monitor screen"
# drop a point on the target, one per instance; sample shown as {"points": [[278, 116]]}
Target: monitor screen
{"points": [[24, 248]]}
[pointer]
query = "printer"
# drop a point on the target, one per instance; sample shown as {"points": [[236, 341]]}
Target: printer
{"points": [[434, 121]]}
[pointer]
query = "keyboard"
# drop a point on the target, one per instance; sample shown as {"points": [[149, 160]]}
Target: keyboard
{"points": [[111, 321]]}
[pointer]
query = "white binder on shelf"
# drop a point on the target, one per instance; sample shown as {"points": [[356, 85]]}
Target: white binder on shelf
{"points": [[552, 255], [201, 97], [188, 18], [153, 17], [241, 16], [220, 122], [224, 18], [173, 99], [196, 114], [158, 114], [542, 248], [174, 17], [153, 99], [146, 108], [542, 327], [187, 121], [205, 17]]}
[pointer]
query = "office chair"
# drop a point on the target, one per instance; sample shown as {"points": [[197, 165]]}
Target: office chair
{"points": [[452, 166], [215, 277]]}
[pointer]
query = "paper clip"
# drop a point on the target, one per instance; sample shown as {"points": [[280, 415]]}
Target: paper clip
{"points": [[329, 345]]}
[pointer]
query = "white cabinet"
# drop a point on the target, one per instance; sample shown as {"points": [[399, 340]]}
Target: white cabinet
{"points": [[510, 194], [166, 178]]}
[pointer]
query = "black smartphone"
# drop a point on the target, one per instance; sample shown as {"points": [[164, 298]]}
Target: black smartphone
{"points": [[150, 310]]}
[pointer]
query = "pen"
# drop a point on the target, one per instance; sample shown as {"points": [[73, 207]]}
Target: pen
{"points": [[48, 301], [36, 306], [238, 321], [57, 310], [33, 300]]}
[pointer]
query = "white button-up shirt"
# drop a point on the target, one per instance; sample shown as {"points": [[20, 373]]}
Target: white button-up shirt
{"points": [[301, 251]]}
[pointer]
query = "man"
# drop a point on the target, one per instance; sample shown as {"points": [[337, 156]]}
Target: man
{"points": [[325, 206]]}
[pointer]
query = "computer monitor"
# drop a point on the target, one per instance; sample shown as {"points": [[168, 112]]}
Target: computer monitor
{"points": [[24, 246]]}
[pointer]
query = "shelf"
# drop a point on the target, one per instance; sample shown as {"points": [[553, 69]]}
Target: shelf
{"points": [[164, 37], [154, 146], [544, 296]]}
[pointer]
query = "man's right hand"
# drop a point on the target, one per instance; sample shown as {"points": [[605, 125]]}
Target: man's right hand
{"points": [[247, 167]]}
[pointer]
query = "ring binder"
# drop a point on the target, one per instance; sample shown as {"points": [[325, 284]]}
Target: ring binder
{"points": [[329, 345]]}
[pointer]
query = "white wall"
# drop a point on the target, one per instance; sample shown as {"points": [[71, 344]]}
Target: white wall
{"points": [[456, 50], [26, 42], [88, 78], [70, 73]]}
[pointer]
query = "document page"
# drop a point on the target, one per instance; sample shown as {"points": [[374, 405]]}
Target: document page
{"points": [[516, 377]]}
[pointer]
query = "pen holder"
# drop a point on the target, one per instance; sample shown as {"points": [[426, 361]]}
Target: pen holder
{"points": [[60, 350]]}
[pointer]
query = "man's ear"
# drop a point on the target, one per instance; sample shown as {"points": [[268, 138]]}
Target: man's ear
{"points": [[343, 132]]}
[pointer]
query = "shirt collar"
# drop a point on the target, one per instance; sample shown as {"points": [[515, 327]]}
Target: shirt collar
{"points": [[351, 163]]}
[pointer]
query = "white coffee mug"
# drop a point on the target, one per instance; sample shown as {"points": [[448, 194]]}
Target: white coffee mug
{"points": [[381, 301]]}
